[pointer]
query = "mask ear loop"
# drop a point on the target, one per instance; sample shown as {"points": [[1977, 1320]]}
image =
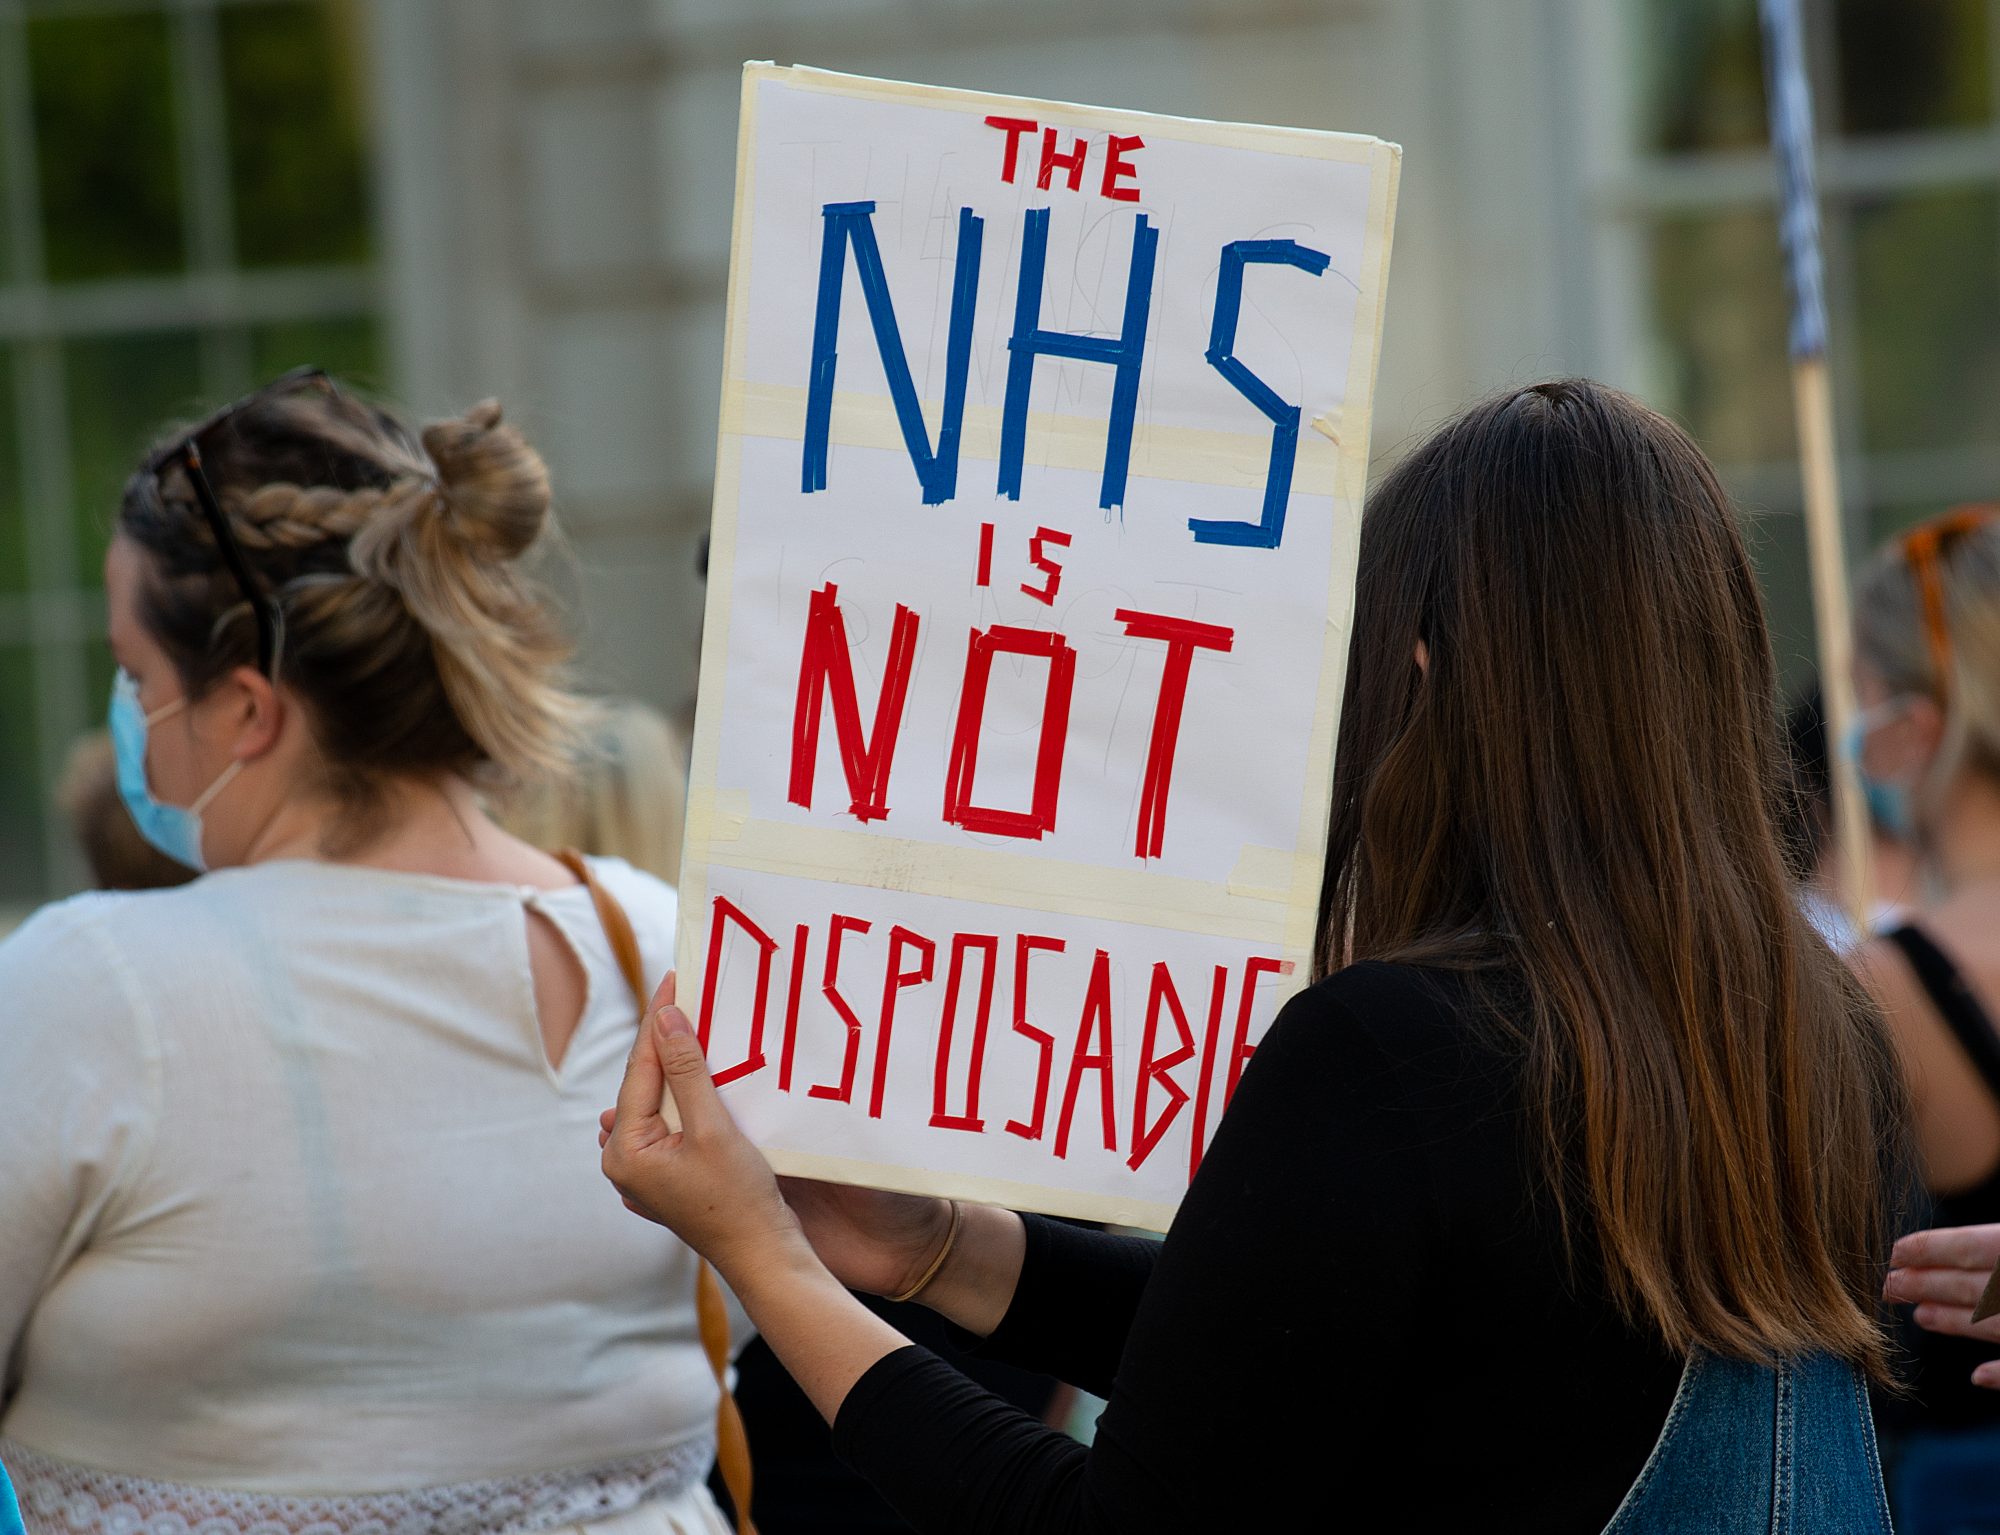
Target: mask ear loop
{"points": [[222, 781]]}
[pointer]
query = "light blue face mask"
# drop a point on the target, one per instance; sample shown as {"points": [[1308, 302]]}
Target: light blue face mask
{"points": [[174, 829], [1890, 805]]}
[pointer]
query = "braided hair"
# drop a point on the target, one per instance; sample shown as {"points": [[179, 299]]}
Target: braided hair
{"points": [[414, 638]]}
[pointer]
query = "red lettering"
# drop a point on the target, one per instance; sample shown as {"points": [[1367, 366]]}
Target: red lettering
{"points": [[1071, 163], [985, 576], [800, 938], [1182, 636], [829, 987], [1030, 824], [1242, 1050], [1096, 1020], [1159, 1069], [1013, 127], [1211, 1043], [1116, 167], [826, 666], [727, 911], [894, 979], [941, 1119], [1024, 945], [1048, 567]]}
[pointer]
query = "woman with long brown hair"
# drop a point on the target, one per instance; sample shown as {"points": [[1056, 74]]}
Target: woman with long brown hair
{"points": [[1558, 1204]]}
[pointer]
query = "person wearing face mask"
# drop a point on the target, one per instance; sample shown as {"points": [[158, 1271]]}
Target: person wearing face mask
{"points": [[1927, 745], [303, 1222], [1812, 850]]}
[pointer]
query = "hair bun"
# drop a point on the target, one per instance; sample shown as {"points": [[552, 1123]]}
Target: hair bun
{"points": [[495, 488]]}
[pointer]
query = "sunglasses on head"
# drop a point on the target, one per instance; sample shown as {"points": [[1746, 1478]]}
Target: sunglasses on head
{"points": [[1924, 547], [185, 454]]}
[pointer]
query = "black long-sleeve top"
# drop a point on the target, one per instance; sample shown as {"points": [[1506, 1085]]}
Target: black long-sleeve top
{"points": [[1364, 1306]]}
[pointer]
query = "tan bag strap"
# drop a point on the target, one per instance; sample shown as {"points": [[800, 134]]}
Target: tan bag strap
{"points": [[732, 1444]]}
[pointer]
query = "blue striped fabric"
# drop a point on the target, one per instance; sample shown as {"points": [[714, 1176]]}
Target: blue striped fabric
{"points": [[1790, 102]]}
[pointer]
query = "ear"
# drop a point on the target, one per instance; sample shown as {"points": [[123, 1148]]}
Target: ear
{"points": [[1423, 656], [1924, 722], [258, 711]]}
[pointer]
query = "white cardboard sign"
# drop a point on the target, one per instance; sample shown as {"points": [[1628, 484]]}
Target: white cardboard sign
{"points": [[1044, 434]]}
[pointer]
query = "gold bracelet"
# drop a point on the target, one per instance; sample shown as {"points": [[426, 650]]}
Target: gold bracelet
{"points": [[944, 1252]]}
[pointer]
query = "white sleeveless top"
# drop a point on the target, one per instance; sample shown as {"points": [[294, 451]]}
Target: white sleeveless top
{"points": [[300, 1230]]}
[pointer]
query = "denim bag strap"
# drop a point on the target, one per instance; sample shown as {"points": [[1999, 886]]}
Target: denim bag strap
{"points": [[1755, 1449]]}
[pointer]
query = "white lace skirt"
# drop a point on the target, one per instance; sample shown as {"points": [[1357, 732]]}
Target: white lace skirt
{"points": [[664, 1494]]}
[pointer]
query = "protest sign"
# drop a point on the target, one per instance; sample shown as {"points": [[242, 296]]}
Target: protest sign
{"points": [[1043, 439]]}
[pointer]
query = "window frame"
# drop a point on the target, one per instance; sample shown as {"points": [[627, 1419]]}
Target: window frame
{"points": [[59, 616]]}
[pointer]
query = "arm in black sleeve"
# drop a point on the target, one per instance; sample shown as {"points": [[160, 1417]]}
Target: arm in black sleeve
{"points": [[1074, 1304], [1268, 1358]]}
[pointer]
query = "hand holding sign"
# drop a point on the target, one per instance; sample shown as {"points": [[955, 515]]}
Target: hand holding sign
{"points": [[711, 1187], [705, 1180]]}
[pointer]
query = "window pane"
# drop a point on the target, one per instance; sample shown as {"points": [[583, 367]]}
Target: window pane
{"points": [[292, 86], [1701, 75], [104, 144], [1927, 275], [1912, 64], [123, 392], [1720, 316], [348, 349], [21, 798], [13, 526]]}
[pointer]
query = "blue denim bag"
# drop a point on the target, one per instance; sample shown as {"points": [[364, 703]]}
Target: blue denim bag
{"points": [[1751, 1449]]}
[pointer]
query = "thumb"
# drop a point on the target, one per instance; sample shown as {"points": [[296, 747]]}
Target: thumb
{"points": [[685, 1074], [639, 1095], [664, 997]]}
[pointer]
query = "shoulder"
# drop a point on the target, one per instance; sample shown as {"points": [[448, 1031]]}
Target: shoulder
{"points": [[1884, 969], [70, 979], [1966, 926], [60, 940], [107, 940], [652, 905], [1389, 1035], [1391, 1012]]}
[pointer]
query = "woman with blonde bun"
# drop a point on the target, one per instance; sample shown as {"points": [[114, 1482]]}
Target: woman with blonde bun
{"points": [[305, 1230]]}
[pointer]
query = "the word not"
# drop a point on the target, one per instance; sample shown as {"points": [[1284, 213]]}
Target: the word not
{"points": [[826, 673]]}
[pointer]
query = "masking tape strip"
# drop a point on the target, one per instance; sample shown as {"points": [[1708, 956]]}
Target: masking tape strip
{"points": [[1195, 455], [1306, 143], [717, 815], [1268, 873], [706, 748], [1000, 878], [1363, 365], [1038, 1197]]}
